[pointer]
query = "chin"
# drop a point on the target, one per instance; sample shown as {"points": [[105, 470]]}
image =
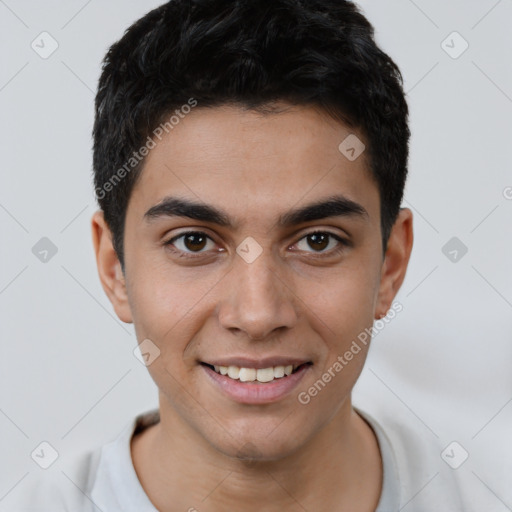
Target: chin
{"points": [[255, 444]]}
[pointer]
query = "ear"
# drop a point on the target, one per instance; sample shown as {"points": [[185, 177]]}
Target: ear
{"points": [[396, 259], [109, 267]]}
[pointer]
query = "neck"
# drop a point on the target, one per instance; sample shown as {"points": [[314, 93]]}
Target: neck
{"points": [[337, 469]]}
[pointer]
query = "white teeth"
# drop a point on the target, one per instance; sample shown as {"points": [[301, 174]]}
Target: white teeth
{"points": [[265, 374], [253, 374], [247, 374], [233, 372], [278, 372]]}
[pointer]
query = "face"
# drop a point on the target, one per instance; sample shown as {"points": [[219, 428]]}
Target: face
{"points": [[252, 243]]}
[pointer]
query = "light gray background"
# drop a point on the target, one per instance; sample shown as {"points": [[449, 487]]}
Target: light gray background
{"points": [[68, 374]]}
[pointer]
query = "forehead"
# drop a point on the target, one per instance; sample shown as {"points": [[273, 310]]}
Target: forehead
{"points": [[253, 164]]}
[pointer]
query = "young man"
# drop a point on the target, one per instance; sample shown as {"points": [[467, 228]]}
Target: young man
{"points": [[250, 159]]}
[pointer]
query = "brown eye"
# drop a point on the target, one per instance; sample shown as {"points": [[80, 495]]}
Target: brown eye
{"points": [[318, 241], [191, 242], [194, 241], [321, 242]]}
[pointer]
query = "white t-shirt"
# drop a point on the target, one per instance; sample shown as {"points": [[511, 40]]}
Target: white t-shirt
{"points": [[415, 477]]}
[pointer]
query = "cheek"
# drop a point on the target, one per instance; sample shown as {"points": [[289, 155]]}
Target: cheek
{"points": [[168, 313], [341, 304], [168, 305], [339, 313]]}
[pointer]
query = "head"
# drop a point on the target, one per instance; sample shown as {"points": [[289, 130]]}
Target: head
{"points": [[234, 225]]}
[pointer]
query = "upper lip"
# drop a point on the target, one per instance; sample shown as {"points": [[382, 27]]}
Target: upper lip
{"points": [[266, 362]]}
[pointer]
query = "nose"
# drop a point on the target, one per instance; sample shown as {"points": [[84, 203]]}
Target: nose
{"points": [[257, 301]]}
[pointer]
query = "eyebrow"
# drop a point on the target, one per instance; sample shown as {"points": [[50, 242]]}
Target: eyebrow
{"points": [[334, 206]]}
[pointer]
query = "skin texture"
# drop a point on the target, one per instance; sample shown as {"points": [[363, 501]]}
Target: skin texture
{"points": [[209, 452]]}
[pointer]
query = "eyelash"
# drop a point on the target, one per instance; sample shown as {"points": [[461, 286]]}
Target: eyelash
{"points": [[342, 244]]}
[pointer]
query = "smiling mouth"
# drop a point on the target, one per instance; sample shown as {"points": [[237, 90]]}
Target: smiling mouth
{"points": [[261, 375]]}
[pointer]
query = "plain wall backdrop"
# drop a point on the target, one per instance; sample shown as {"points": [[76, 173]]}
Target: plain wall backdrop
{"points": [[68, 374]]}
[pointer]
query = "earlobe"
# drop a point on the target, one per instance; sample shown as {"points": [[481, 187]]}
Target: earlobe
{"points": [[395, 262], [109, 267]]}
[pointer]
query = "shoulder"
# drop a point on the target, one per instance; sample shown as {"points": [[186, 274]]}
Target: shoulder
{"points": [[63, 487], [426, 482], [99, 479]]}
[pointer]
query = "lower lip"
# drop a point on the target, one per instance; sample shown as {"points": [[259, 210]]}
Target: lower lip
{"points": [[257, 392]]}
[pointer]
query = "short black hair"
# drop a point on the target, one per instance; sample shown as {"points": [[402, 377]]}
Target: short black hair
{"points": [[251, 53]]}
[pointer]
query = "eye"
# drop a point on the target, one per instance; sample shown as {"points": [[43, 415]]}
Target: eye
{"points": [[191, 242], [321, 242]]}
